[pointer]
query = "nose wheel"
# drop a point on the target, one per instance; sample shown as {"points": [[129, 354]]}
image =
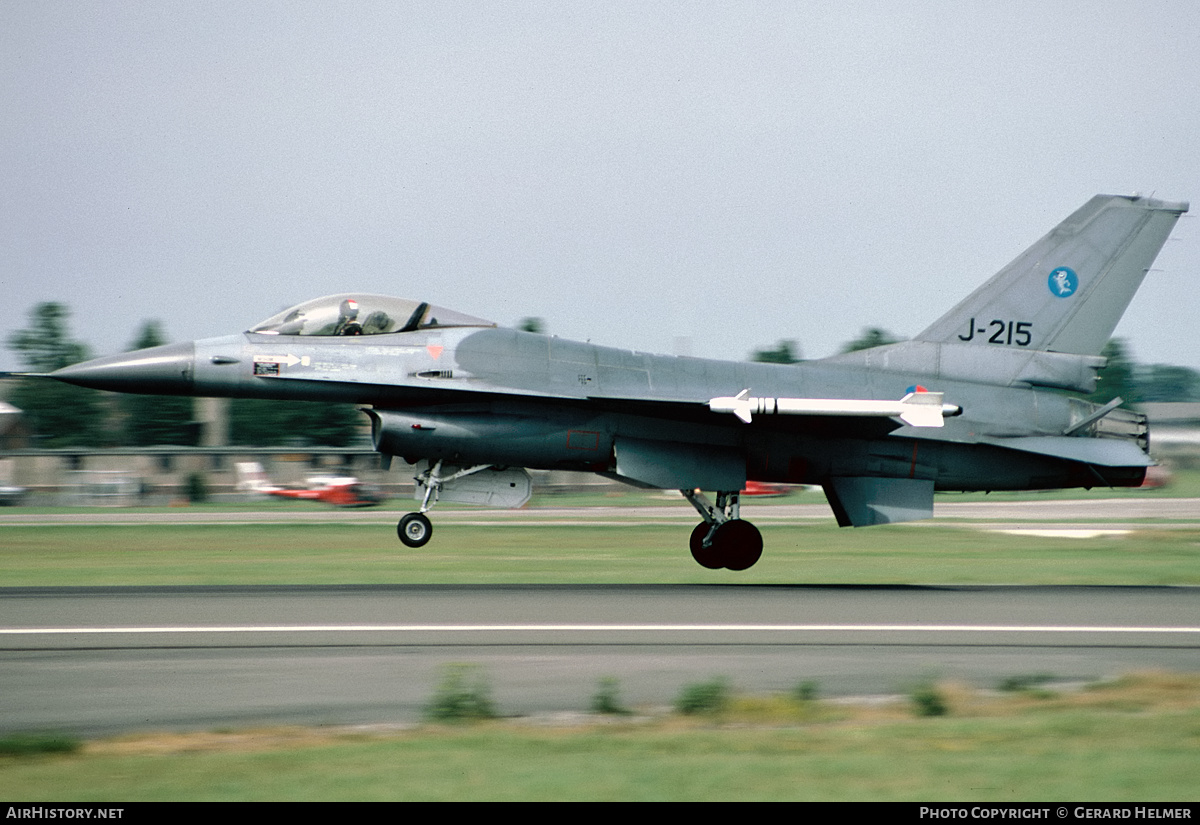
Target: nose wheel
{"points": [[723, 540], [414, 530]]}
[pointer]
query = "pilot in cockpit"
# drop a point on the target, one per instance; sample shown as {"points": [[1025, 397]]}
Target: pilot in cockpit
{"points": [[347, 323]]}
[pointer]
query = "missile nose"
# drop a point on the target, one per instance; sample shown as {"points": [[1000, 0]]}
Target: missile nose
{"points": [[165, 370]]}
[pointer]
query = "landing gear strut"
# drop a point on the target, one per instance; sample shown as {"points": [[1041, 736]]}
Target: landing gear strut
{"points": [[415, 529], [723, 539]]}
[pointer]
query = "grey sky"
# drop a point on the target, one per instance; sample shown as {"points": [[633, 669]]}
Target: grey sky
{"points": [[635, 173]]}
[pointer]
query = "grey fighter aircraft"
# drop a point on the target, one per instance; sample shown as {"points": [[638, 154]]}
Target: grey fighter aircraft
{"points": [[975, 402]]}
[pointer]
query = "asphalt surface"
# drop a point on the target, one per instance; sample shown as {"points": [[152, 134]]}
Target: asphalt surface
{"points": [[108, 660]]}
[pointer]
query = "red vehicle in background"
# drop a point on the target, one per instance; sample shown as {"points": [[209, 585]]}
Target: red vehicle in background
{"points": [[764, 489], [340, 491]]}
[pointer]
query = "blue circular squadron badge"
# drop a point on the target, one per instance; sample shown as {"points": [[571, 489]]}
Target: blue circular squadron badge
{"points": [[1063, 282]]}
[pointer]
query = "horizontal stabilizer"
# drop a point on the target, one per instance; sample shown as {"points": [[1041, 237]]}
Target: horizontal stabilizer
{"points": [[1102, 452], [865, 501], [917, 409]]}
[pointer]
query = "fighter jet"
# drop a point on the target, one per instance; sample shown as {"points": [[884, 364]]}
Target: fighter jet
{"points": [[978, 401]]}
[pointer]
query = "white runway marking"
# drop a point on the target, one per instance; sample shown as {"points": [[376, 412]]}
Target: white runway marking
{"points": [[1063, 533], [551, 628]]}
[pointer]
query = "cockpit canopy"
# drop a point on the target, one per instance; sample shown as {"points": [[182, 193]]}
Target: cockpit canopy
{"points": [[359, 314]]}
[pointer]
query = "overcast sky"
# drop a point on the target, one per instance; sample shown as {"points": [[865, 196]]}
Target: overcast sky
{"points": [[699, 177]]}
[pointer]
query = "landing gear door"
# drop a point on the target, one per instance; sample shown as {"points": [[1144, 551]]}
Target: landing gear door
{"points": [[510, 488]]}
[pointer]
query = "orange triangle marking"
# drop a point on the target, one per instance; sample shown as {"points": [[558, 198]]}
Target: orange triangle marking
{"points": [[435, 351]]}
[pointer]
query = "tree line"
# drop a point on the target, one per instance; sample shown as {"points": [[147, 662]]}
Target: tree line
{"points": [[61, 415]]}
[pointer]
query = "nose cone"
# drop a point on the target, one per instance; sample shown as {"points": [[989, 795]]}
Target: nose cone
{"points": [[163, 370]]}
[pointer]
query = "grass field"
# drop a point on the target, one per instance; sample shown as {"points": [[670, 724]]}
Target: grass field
{"points": [[1138, 739], [189, 554]]}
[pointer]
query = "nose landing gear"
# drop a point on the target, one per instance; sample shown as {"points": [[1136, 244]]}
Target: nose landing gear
{"points": [[415, 529], [723, 540]]}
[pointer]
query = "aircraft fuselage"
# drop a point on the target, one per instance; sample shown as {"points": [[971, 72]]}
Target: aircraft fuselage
{"points": [[506, 397]]}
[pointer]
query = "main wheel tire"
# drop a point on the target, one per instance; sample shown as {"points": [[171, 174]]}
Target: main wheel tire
{"points": [[710, 556], [414, 530], [739, 544]]}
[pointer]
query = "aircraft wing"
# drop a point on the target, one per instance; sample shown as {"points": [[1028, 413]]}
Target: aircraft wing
{"points": [[1103, 452]]}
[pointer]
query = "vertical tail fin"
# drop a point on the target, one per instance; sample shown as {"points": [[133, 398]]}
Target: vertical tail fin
{"points": [[1067, 292]]}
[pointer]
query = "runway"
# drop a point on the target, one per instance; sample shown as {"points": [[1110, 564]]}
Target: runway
{"points": [[107, 660]]}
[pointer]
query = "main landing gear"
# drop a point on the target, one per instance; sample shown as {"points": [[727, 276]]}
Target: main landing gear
{"points": [[415, 529], [723, 539]]}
